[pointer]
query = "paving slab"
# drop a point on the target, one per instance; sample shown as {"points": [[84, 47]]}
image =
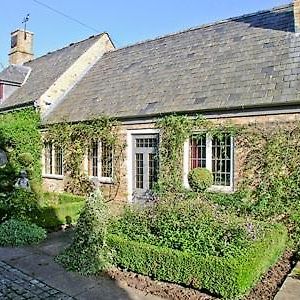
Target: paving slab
{"points": [[290, 289], [33, 273]]}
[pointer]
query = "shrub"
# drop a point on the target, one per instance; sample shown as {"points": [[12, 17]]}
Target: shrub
{"points": [[228, 276], [14, 232], [187, 225], [88, 252], [21, 204], [200, 179], [26, 159]]}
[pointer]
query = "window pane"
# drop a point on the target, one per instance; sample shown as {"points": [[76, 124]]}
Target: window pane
{"points": [[139, 170], [107, 160], [48, 158], [198, 152], [221, 159], [93, 160], [153, 168], [58, 161], [146, 142]]}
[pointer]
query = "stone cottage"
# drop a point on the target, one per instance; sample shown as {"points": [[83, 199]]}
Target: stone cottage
{"points": [[244, 69]]}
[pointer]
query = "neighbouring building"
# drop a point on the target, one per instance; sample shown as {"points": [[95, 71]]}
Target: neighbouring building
{"points": [[244, 69]]}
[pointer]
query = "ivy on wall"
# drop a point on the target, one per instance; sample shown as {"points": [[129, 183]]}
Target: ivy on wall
{"points": [[174, 131], [21, 139], [270, 168], [75, 139]]}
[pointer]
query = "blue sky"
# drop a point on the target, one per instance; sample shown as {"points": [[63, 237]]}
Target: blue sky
{"points": [[126, 21]]}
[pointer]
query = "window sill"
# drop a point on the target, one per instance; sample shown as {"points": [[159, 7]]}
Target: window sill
{"points": [[53, 176], [107, 180], [221, 189]]}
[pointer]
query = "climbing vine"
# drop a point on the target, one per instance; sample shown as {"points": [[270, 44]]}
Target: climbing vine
{"points": [[75, 139], [270, 169], [174, 131], [20, 138]]}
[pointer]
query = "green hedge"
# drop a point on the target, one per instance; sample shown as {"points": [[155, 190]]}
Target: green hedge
{"points": [[54, 216], [227, 276], [60, 198]]}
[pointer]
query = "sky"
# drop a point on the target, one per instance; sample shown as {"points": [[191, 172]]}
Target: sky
{"points": [[127, 21]]}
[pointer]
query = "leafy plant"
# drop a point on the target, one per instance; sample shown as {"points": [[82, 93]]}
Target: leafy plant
{"points": [[188, 225], [200, 179], [21, 204], [15, 232], [88, 252], [20, 137]]}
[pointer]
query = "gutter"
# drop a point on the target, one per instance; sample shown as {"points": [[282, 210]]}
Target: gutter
{"points": [[233, 112], [16, 107]]}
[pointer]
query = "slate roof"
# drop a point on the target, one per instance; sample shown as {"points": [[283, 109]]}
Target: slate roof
{"points": [[44, 71], [241, 62], [15, 74]]}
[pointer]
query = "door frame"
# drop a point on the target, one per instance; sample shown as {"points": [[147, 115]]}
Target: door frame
{"points": [[130, 133]]}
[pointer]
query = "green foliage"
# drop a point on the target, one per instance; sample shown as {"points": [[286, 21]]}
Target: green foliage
{"points": [[26, 159], [228, 276], [21, 204], [21, 139], [200, 179], [188, 225], [48, 210], [75, 140], [15, 232], [271, 168], [53, 216], [174, 131], [88, 252]]}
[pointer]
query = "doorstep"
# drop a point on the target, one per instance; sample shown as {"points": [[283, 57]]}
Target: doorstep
{"points": [[290, 289]]}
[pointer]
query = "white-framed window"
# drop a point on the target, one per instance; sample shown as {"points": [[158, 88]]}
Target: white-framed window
{"points": [[100, 161], [214, 153], [53, 159]]}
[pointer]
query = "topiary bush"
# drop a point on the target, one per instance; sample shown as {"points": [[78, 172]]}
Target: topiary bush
{"points": [[88, 252], [15, 232], [200, 179]]}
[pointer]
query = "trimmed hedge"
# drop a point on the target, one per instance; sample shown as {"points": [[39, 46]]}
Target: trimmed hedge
{"points": [[52, 217], [227, 276]]}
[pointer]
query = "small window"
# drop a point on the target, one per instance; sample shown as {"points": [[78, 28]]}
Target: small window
{"points": [[198, 152], [221, 160], [214, 153], [106, 160], [53, 159], [100, 160], [93, 160], [58, 161], [48, 159]]}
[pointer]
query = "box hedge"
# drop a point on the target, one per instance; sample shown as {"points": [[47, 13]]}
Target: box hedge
{"points": [[227, 276]]}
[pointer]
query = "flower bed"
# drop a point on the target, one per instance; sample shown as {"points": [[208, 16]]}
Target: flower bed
{"points": [[193, 243], [226, 276]]}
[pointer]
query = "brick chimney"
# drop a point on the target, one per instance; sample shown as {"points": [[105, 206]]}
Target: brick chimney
{"points": [[21, 49]]}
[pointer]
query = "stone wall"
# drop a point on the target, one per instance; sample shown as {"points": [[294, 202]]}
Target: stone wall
{"points": [[119, 191]]}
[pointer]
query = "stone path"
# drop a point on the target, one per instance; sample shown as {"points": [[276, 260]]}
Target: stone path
{"points": [[14, 284], [290, 289], [31, 273]]}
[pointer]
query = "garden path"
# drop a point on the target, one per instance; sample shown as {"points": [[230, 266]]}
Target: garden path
{"points": [[32, 271], [290, 289]]}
